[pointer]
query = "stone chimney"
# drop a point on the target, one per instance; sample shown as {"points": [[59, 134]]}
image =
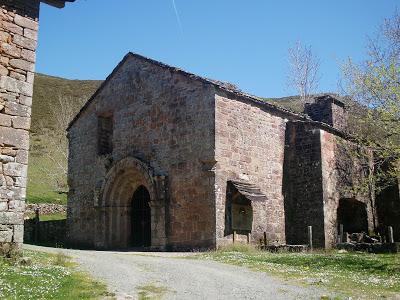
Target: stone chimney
{"points": [[328, 109]]}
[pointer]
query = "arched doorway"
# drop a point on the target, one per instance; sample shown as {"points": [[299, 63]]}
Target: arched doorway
{"points": [[141, 218], [352, 214], [131, 207]]}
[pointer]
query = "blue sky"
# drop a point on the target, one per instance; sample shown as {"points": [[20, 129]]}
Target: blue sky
{"points": [[243, 42]]}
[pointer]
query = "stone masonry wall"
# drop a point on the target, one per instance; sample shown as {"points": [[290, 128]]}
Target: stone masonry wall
{"points": [[342, 173], [303, 184], [249, 146], [18, 41], [164, 119], [329, 110]]}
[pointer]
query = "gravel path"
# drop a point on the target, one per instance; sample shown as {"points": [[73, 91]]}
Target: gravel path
{"points": [[126, 272]]}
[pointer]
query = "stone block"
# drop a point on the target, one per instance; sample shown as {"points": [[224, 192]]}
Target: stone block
{"points": [[3, 204], [8, 151], [25, 42], [16, 205], [16, 86], [19, 193], [15, 169], [25, 100], [6, 236], [16, 109], [22, 64], [19, 233], [11, 27], [6, 159], [5, 120], [11, 50], [22, 157], [20, 182], [12, 218], [31, 34], [9, 181], [26, 22], [15, 137], [21, 122], [4, 60], [17, 76], [28, 55], [4, 36], [3, 71]]}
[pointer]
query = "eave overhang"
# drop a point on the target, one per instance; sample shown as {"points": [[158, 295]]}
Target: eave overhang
{"points": [[56, 3]]}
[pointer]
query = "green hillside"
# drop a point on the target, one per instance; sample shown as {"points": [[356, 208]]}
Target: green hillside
{"points": [[45, 159]]}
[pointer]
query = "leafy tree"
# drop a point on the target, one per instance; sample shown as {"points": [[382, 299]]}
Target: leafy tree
{"points": [[374, 86]]}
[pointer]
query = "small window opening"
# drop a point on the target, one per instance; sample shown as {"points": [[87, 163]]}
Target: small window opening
{"points": [[104, 135]]}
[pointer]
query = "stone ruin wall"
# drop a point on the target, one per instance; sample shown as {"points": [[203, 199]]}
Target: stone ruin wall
{"points": [[18, 41], [167, 121], [342, 175], [249, 146]]}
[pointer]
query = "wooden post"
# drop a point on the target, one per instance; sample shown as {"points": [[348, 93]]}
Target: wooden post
{"points": [[265, 239], [341, 233], [310, 242], [390, 235], [37, 220], [248, 238], [234, 236]]}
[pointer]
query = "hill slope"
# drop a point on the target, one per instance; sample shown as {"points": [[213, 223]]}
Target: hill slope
{"points": [[48, 92]]}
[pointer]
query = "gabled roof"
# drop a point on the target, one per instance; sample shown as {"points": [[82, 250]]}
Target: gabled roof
{"points": [[57, 3], [226, 88]]}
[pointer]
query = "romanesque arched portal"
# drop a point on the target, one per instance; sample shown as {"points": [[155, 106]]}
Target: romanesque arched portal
{"points": [[128, 185]]}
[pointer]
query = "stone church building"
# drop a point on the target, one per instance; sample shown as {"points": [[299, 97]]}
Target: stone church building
{"points": [[164, 159]]}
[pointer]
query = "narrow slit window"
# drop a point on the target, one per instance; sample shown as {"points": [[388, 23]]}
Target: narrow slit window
{"points": [[104, 135]]}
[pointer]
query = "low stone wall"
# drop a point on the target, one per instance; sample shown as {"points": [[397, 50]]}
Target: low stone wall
{"points": [[45, 209], [45, 232]]}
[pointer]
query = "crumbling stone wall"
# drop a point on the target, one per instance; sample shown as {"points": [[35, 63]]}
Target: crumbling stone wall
{"points": [[343, 172], [166, 121], [249, 146], [18, 41], [321, 169]]}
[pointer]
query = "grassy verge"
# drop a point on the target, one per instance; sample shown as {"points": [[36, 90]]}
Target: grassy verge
{"points": [[47, 277], [53, 217], [151, 291], [50, 217], [365, 276], [39, 190]]}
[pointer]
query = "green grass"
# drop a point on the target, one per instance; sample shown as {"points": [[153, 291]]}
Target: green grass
{"points": [[367, 276], [50, 217], [152, 292], [39, 189], [48, 277], [53, 217]]}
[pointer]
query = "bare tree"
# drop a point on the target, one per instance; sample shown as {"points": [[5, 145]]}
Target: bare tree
{"points": [[303, 73], [55, 172]]}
